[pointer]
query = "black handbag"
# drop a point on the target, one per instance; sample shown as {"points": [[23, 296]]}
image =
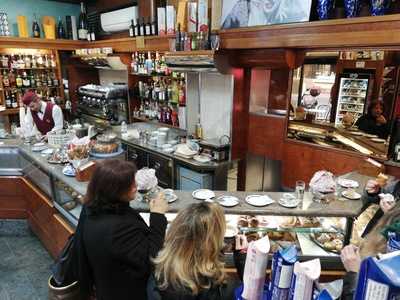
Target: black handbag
{"points": [[64, 270]]}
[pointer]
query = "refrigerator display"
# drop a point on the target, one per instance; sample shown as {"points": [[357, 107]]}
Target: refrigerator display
{"points": [[353, 93]]}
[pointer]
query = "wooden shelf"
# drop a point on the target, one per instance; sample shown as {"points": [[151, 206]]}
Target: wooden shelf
{"points": [[151, 43], [142, 119], [34, 69], [33, 43], [378, 31], [29, 88]]}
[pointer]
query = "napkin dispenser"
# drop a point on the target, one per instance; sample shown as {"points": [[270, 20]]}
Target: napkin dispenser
{"points": [[85, 172]]}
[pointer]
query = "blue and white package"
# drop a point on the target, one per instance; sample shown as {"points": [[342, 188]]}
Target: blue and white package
{"points": [[282, 270], [328, 290], [379, 278], [393, 243], [303, 279]]}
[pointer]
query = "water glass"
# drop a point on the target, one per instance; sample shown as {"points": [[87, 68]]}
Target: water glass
{"points": [[300, 188]]}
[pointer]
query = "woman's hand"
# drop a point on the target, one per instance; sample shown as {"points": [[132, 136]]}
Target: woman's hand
{"points": [[381, 120], [386, 202], [351, 258], [159, 204], [372, 186]]}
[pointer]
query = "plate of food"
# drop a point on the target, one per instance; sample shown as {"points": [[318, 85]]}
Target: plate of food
{"points": [[203, 194], [228, 201], [332, 242], [348, 183], [378, 140], [259, 200], [351, 194], [289, 201]]}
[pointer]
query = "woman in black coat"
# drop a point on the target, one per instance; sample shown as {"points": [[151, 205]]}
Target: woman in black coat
{"points": [[117, 241]]}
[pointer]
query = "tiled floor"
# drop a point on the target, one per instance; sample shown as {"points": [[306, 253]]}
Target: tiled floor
{"points": [[24, 263]]}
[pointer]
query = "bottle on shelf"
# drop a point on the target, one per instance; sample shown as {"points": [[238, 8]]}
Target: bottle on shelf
{"points": [[32, 80], [11, 78], [8, 99], [18, 81], [35, 28], [40, 62], [38, 80], [4, 61], [52, 61], [25, 80], [55, 80], [142, 28], [137, 28], [178, 38], [44, 79], [6, 81], [60, 29], [14, 102], [92, 34], [148, 27], [132, 29], [83, 24], [46, 61], [49, 80], [154, 26], [28, 62], [34, 62]]}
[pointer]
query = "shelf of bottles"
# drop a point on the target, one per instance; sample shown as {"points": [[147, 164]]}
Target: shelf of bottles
{"points": [[23, 70], [160, 93]]}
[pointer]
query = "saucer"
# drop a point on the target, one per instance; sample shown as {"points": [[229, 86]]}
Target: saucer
{"points": [[259, 200], [203, 194], [228, 201]]}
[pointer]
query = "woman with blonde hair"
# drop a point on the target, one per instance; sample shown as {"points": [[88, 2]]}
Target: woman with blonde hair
{"points": [[190, 266]]}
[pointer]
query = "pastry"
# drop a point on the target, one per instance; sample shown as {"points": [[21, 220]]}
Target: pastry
{"points": [[105, 148], [243, 223], [253, 222], [382, 179], [289, 222]]}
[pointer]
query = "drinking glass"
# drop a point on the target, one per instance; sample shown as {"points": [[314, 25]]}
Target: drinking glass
{"points": [[300, 188]]}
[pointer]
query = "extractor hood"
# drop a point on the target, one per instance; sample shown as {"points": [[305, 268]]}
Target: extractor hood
{"points": [[191, 61], [104, 62]]}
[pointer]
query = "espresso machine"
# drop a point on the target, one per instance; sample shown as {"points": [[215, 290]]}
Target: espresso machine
{"points": [[104, 102]]}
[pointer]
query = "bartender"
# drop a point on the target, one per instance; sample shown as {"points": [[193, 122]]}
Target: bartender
{"points": [[42, 116], [374, 122]]}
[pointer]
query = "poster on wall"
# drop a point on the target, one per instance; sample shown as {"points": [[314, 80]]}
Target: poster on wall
{"points": [[245, 13]]}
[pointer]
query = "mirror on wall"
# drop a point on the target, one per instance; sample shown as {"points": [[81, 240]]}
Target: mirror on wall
{"points": [[345, 99]]}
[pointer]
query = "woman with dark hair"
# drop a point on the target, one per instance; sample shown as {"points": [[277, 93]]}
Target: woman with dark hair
{"points": [[118, 243], [374, 121]]}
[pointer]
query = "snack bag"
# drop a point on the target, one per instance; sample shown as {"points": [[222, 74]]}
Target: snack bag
{"points": [[393, 243], [282, 270], [379, 278], [254, 269], [304, 275], [329, 290]]}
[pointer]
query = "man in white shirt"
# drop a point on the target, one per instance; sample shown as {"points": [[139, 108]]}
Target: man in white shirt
{"points": [[42, 116]]}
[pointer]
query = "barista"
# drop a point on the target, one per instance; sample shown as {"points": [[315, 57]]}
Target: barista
{"points": [[374, 122], [42, 116]]}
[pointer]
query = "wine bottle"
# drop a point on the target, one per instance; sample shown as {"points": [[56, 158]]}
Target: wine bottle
{"points": [[18, 81], [137, 28], [35, 28], [148, 27], [178, 38], [8, 100], [132, 29], [89, 36], [60, 29], [83, 26], [154, 27], [92, 35], [142, 28]]}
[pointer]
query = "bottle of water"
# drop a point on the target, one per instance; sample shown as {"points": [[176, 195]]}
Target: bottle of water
{"points": [[124, 127]]}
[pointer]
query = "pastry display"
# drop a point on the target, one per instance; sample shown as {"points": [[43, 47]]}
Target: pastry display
{"points": [[105, 144], [59, 156], [332, 242], [308, 222]]}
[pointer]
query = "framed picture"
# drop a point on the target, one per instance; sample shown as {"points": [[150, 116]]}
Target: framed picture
{"points": [[245, 13]]}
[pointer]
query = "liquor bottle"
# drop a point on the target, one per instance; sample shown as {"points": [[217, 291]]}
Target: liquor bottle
{"points": [[4, 61], [18, 81], [83, 27], [60, 29], [148, 28], [137, 28], [92, 34], [52, 61], [39, 60], [143, 28], [154, 27], [33, 62], [49, 80], [14, 102], [194, 41], [25, 80], [149, 64], [182, 93], [55, 80], [11, 79], [6, 81], [134, 64], [46, 62], [33, 80], [132, 29], [178, 39], [38, 80], [28, 62], [8, 100], [44, 79], [35, 28], [88, 35]]}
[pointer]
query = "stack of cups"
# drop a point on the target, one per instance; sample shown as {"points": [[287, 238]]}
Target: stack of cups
{"points": [[161, 139]]}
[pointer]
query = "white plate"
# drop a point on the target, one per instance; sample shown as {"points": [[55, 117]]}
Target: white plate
{"points": [[377, 140], [38, 148], [348, 183], [228, 201], [259, 200], [203, 194], [370, 135], [202, 158], [170, 195], [289, 204], [37, 145], [168, 150], [350, 194]]}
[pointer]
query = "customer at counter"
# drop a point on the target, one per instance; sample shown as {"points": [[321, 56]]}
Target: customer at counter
{"points": [[41, 116], [375, 242], [374, 122], [190, 266], [118, 243]]}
